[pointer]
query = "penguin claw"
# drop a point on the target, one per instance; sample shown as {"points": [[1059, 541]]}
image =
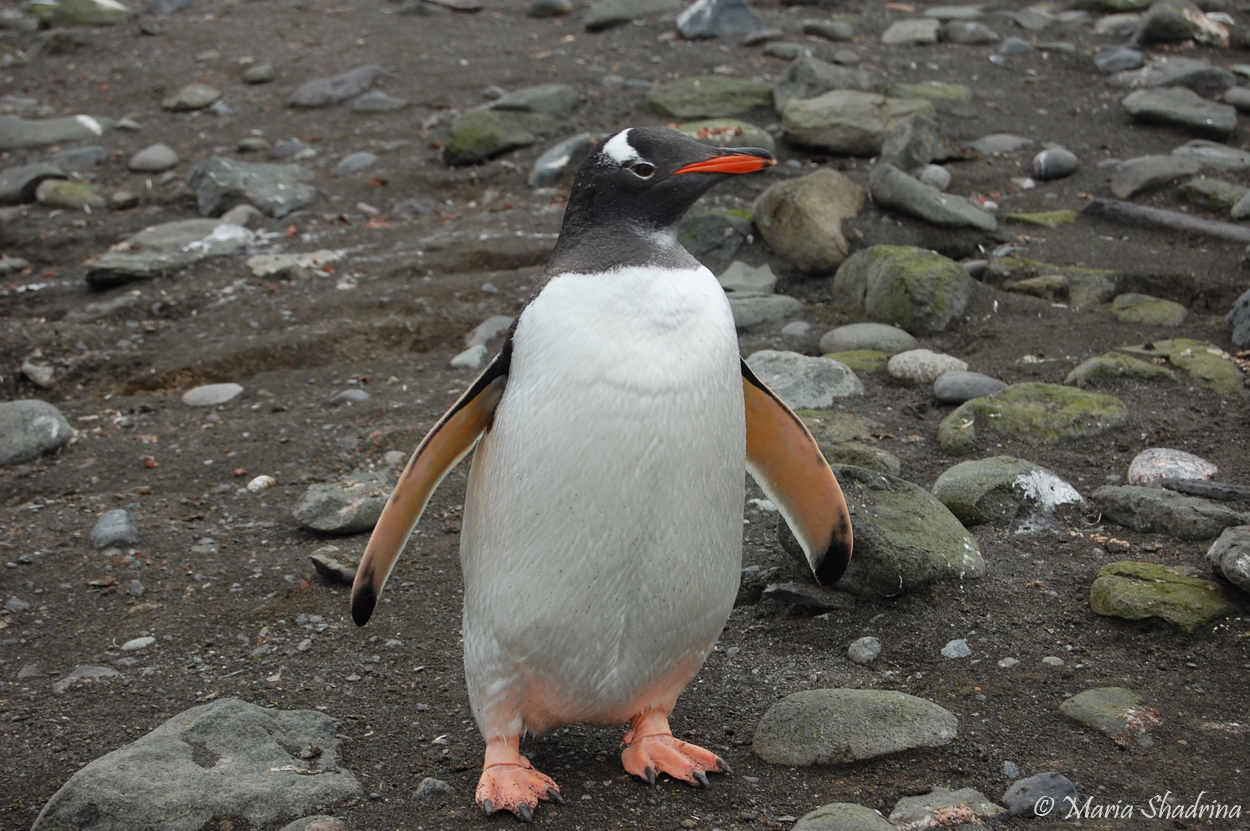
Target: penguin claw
{"points": [[650, 772], [554, 796], [701, 778], [723, 766], [523, 813], [487, 807]]}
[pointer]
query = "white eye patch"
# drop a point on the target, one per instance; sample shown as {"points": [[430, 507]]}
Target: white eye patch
{"points": [[619, 150]]}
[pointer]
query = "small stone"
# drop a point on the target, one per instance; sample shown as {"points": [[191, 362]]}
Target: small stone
{"points": [[137, 644], [470, 358], [1229, 556], [326, 91], [836, 816], [796, 329], [935, 176], [1135, 175], [1010, 770], [923, 366], [135, 589], [153, 159], [864, 650], [18, 184], [912, 32], [1055, 163], [835, 30], [350, 506], [1001, 144], [1016, 46], [66, 193], [892, 188], [932, 810], [351, 395], [874, 336], [431, 787], [717, 18], [84, 675], [1151, 311], [1104, 709], [191, 97], [115, 527], [550, 8], [1184, 108], [1155, 463], [1119, 59], [1023, 797], [211, 395], [121, 200], [1138, 590], [355, 163], [956, 387], [41, 375], [957, 649], [1007, 663], [742, 277], [1052, 661], [377, 102], [803, 382], [262, 73], [80, 159], [16, 604], [969, 33], [328, 565]]}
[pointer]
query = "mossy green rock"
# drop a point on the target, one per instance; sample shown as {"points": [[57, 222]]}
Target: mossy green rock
{"points": [[708, 97], [862, 360], [1102, 709], [81, 12], [1079, 286], [1115, 365], [66, 193], [728, 132], [918, 290], [1034, 412], [482, 133], [847, 439], [1047, 219], [1112, 6], [1136, 591], [1195, 359], [952, 99], [1147, 310]]}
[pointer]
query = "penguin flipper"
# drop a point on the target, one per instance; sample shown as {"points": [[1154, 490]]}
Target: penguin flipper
{"points": [[448, 441], [784, 459]]}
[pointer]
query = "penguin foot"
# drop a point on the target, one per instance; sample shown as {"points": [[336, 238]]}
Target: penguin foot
{"points": [[651, 749], [510, 783]]}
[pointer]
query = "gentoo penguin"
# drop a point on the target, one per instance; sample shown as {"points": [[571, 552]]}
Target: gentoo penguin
{"points": [[602, 536]]}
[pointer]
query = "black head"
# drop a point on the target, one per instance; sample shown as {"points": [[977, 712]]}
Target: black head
{"points": [[640, 182]]}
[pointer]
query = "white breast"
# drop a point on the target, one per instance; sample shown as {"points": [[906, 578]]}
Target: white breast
{"points": [[603, 525]]}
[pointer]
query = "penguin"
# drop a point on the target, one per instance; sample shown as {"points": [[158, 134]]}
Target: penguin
{"points": [[601, 544]]}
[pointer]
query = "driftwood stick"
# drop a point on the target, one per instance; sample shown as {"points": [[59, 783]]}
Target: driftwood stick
{"points": [[1131, 214], [1210, 490]]}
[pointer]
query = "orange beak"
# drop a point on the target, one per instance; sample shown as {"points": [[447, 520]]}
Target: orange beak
{"points": [[738, 162]]}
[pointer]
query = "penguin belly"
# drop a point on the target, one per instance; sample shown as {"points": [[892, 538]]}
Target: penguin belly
{"points": [[602, 538]]}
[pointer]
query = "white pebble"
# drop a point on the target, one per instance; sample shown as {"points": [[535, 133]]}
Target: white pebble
{"points": [[261, 483]]}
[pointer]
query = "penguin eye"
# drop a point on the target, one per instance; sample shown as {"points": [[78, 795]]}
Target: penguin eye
{"points": [[643, 169]]}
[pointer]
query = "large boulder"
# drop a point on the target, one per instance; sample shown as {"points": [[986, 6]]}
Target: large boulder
{"points": [[848, 122], [920, 291], [801, 219]]}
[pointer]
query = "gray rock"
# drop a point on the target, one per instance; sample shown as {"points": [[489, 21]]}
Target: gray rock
{"points": [[1118, 59], [1001, 144], [801, 219], [66, 193], [16, 604], [892, 188], [210, 395], [556, 100], [922, 366], [320, 822], [876, 336], [762, 36], [804, 383], [1170, 21], [1239, 97], [807, 77], [18, 184], [550, 8], [713, 238], [1155, 463], [83, 12], [847, 439], [351, 395], [920, 291], [485, 132], [717, 18], [912, 32], [958, 386], [101, 309], [17, 133], [844, 816], [1158, 511], [262, 73], [378, 102], [961, 12], [968, 33], [750, 308], [1104, 709], [864, 650], [848, 121], [952, 99], [30, 428], [348, 507], [915, 141], [1139, 590], [489, 329], [276, 189], [115, 527], [935, 176], [1055, 163], [1181, 107], [708, 96], [742, 277], [1238, 318], [227, 758], [1000, 489], [835, 30], [932, 810], [957, 648], [1214, 155], [81, 676], [326, 91], [1199, 76], [1016, 46], [1229, 556], [431, 787], [839, 726], [1034, 412], [1022, 797], [191, 97], [1147, 310], [154, 159], [566, 155], [1117, 25], [728, 132], [470, 358], [162, 249], [608, 13], [355, 163], [80, 159], [1213, 194], [1135, 175], [41, 375]]}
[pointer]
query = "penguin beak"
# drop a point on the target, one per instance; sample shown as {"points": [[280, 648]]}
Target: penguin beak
{"points": [[736, 160]]}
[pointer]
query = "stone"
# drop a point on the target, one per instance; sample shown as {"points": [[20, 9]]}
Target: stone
{"points": [[1135, 175], [914, 141], [608, 13], [84, 675], [1022, 797], [717, 18], [470, 358], [921, 31], [1229, 556], [1238, 318], [489, 329], [958, 386], [80, 159], [191, 97], [742, 277], [1159, 511], [801, 219], [262, 73], [844, 816], [918, 290], [351, 395], [846, 439], [1170, 21], [555, 100], [327, 563], [316, 823], [1137, 590], [952, 99], [804, 383], [30, 428], [485, 132], [56, 13], [1000, 144], [326, 91], [1114, 365], [807, 77], [1000, 489], [565, 155], [848, 121], [835, 30], [957, 649], [935, 809], [876, 336], [348, 507], [226, 758], [211, 395], [431, 788], [101, 309], [1105, 709], [1207, 366], [1055, 163], [550, 8], [892, 188], [377, 102], [1034, 412], [136, 644], [18, 184], [354, 163], [935, 176], [864, 651], [66, 193], [161, 249], [115, 528], [839, 726], [762, 36], [17, 133], [961, 12], [1047, 219], [16, 604], [713, 238], [751, 309], [1213, 194], [922, 366], [1239, 97], [1079, 286], [968, 33], [708, 97], [1147, 310], [1213, 155], [1016, 46], [1201, 77], [153, 159], [41, 375], [276, 189], [1118, 59], [728, 132], [1181, 107]]}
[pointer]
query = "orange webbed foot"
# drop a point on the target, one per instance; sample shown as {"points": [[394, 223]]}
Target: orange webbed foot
{"points": [[510, 783], [651, 749]]}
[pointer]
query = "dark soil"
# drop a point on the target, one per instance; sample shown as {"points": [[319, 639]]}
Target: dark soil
{"points": [[293, 344]]}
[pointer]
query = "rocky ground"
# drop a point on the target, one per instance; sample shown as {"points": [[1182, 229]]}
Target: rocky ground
{"points": [[203, 590]]}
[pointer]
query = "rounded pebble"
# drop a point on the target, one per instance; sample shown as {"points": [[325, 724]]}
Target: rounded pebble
{"points": [[355, 163], [351, 395], [113, 528], [210, 395], [878, 336], [137, 644], [1023, 797], [923, 366], [936, 176], [864, 651], [153, 159], [1163, 463], [1055, 163], [957, 648], [960, 386]]}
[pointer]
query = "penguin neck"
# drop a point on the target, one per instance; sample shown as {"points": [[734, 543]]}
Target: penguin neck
{"points": [[588, 246]]}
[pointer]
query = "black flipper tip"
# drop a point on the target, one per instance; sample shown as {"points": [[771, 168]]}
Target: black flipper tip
{"points": [[364, 601]]}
